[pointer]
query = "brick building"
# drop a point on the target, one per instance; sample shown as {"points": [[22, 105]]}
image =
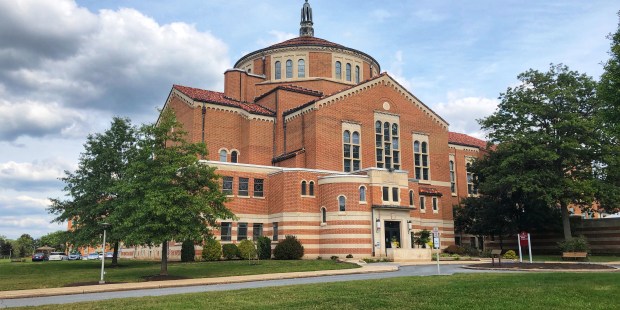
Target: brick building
{"points": [[312, 140]]}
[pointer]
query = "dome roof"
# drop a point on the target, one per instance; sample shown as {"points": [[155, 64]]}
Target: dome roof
{"points": [[305, 41]]}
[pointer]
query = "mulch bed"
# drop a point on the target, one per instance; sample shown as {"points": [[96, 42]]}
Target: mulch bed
{"points": [[545, 266]]}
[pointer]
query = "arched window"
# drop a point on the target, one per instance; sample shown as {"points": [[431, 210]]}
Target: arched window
{"points": [[338, 70], [278, 70], [348, 72], [233, 156], [323, 216], [311, 188], [411, 198], [362, 193], [303, 188], [452, 178], [351, 151], [223, 155], [357, 74], [289, 69], [301, 68], [420, 160], [342, 203]]}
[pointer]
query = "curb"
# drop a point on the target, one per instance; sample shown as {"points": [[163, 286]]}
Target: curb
{"points": [[45, 292], [543, 270]]}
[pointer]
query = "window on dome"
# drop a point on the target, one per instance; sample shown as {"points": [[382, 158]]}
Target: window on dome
{"points": [[303, 188], [289, 69], [223, 155], [348, 72], [411, 198], [338, 70], [278, 70], [357, 74], [363, 194], [301, 68], [311, 188], [342, 203], [323, 216], [234, 156]]}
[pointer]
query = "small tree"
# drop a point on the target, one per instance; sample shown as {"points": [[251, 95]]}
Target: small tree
{"points": [[211, 250], [247, 249], [230, 251], [264, 247], [289, 248], [187, 251], [422, 238]]}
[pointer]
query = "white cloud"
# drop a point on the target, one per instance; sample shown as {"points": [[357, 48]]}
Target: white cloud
{"points": [[26, 176], [380, 14], [462, 112]]}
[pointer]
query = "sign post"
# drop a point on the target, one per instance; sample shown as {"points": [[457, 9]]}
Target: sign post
{"points": [[436, 245], [524, 241]]}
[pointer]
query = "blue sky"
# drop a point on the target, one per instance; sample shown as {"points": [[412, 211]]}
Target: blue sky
{"points": [[68, 66]]}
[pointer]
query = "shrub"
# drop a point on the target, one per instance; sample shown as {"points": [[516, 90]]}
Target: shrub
{"points": [[334, 257], [289, 248], [486, 253], [350, 256], [319, 258], [454, 249], [578, 244], [510, 254], [471, 251], [247, 249], [212, 250], [421, 238], [188, 252], [230, 251], [263, 245]]}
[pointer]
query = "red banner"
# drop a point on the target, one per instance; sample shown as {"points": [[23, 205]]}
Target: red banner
{"points": [[523, 239]]}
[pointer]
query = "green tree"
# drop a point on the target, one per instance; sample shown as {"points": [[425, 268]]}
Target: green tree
{"points": [[57, 240], [5, 246], [547, 134], [188, 252], [170, 195], [609, 119], [92, 188], [23, 246]]}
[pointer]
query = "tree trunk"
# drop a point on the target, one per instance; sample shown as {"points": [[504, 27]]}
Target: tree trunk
{"points": [[501, 242], [164, 259], [115, 255], [566, 221]]}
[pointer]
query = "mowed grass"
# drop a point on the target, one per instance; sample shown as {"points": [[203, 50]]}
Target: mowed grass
{"points": [[30, 275], [464, 291]]}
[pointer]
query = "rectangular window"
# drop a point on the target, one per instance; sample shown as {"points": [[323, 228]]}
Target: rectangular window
{"points": [[242, 231], [395, 194], [351, 150], [452, 178], [421, 159], [435, 204], [258, 187], [275, 231], [387, 145], [227, 186], [422, 203], [243, 186], [386, 193], [226, 231], [257, 230]]}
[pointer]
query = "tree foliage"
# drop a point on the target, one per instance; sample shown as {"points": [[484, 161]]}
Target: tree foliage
{"points": [[609, 120], [188, 252], [168, 194], [92, 190], [57, 240], [547, 139]]}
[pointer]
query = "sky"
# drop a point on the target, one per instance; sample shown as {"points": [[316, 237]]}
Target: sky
{"points": [[68, 66]]}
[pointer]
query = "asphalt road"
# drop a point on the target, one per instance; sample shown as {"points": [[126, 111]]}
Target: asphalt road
{"points": [[405, 271]]}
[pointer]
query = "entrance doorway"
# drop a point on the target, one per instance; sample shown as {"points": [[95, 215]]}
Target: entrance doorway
{"points": [[392, 233]]}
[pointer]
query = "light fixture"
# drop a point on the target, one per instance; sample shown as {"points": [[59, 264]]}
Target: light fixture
{"points": [[409, 226], [378, 224]]}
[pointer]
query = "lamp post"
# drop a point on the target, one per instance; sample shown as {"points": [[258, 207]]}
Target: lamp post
{"points": [[105, 225]]}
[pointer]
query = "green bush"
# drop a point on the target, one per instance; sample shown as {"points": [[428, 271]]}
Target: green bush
{"points": [[486, 253], [230, 251], [510, 254], [247, 249], [334, 257], [578, 244], [188, 252], [212, 250], [454, 249], [471, 251], [263, 245], [350, 256], [289, 248]]}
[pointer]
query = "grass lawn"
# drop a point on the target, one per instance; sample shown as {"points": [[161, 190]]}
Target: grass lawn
{"points": [[465, 291], [29, 275]]}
